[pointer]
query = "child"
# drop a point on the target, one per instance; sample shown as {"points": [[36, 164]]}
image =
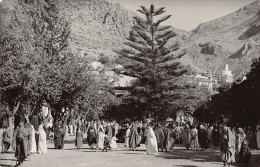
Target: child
{"points": [[79, 136], [51, 136], [113, 143], [244, 154], [106, 143]]}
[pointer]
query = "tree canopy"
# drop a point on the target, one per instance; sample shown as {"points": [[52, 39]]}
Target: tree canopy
{"points": [[37, 63], [240, 102]]}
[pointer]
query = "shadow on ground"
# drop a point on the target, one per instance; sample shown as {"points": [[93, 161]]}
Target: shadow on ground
{"points": [[196, 156], [2, 165], [186, 166], [212, 156], [8, 160]]}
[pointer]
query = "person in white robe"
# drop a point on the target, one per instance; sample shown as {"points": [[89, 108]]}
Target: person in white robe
{"points": [[1, 139], [70, 129], [100, 137], [152, 147], [42, 145], [33, 148], [127, 137], [67, 131], [113, 144]]}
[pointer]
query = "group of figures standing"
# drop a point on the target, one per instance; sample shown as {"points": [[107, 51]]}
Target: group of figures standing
{"points": [[25, 140], [234, 143]]}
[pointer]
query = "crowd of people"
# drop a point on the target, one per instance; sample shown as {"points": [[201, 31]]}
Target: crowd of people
{"points": [[233, 142], [24, 141]]}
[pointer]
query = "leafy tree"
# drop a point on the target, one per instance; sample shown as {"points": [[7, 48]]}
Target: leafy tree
{"points": [[153, 63], [37, 64], [239, 101]]}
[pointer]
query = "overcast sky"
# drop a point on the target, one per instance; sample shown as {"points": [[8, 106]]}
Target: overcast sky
{"points": [[188, 14]]}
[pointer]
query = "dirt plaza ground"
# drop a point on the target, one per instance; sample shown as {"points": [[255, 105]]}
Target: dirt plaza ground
{"points": [[121, 157]]}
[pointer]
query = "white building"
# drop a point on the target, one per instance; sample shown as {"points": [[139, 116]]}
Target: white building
{"points": [[200, 80], [227, 76]]}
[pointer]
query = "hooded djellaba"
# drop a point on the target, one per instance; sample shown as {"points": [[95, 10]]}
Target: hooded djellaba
{"points": [[227, 147], [92, 136], [244, 154], [159, 136], [134, 139], [58, 137], [21, 152]]}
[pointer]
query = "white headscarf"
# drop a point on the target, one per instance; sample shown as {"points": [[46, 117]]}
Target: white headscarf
{"points": [[152, 132]]}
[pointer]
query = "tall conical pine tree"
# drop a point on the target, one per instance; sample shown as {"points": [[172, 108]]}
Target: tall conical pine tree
{"points": [[154, 63]]}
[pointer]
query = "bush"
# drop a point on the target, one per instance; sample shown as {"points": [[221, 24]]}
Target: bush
{"points": [[104, 60]]}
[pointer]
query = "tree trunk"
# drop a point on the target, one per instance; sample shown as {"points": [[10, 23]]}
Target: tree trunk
{"points": [[11, 123], [27, 118], [11, 126]]}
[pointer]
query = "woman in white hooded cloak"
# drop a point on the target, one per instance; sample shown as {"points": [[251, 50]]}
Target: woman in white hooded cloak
{"points": [[42, 145], [152, 147], [33, 148]]}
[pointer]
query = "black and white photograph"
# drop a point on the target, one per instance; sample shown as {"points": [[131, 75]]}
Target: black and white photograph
{"points": [[129, 83]]}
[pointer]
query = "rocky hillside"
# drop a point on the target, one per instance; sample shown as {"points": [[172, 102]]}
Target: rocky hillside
{"points": [[96, 25], [232, 39], [99, 27]]}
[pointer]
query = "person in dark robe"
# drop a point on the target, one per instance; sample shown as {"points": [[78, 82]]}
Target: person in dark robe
{"points": [[21, 152], [63, 133], [91, 137], [203, 137], [134, 139], [109, 131], [216, 136], [170, 137], [58, 135], [144, 128], [159, 134], [186, 135], [244, 154], [14, 138], [37, 136], [79, 136], [164, 128], [250, 137]]}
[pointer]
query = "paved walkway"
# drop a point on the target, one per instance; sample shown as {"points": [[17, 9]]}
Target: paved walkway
{"points": [[121, 157]]}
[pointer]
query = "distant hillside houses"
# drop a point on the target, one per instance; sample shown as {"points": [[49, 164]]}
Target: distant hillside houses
{"points": [[109, 76], [201, 80], [211, 83], [122, 81]]}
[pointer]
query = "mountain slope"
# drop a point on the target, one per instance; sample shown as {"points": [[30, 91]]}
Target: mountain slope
{"points": [[230, 37], [96, 25]]}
